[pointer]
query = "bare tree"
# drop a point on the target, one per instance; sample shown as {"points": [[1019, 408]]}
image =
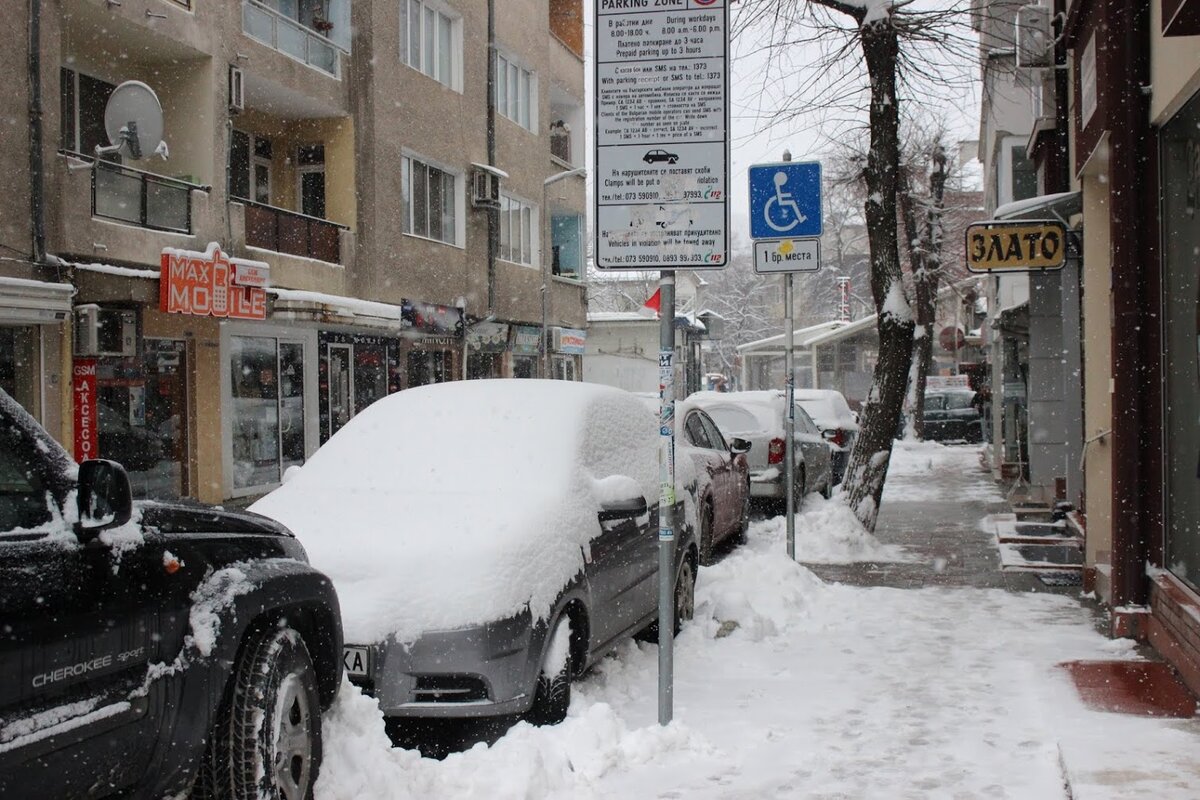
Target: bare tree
{"points": [[750, 306], [877, 29]]}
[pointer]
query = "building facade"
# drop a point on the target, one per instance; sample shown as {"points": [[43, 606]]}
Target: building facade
{"points": [[359, 198]]}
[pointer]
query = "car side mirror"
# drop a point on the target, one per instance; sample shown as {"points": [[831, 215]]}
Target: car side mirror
{"points": [[739, 446], [105, 498], [624, 508], [829, 436]]}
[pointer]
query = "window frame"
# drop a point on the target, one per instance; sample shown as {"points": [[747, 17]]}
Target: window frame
{"points": [[527, 113], [533, 232], [408, 221], [454, 80]]}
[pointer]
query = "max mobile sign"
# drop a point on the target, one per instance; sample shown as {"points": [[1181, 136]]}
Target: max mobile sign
{"points": [[211, 284], [662, 148], [1016, 246]]}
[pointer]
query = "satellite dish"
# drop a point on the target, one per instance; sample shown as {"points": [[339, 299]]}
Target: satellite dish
{"points": [[133, 120]]}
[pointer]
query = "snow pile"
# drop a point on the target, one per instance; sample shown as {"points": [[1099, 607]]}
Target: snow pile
{"points": [[455, 504], [565, 760], [827, 532]]}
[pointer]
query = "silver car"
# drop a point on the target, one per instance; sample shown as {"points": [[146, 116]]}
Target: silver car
{"points": [[491, 540], [758, 417]]}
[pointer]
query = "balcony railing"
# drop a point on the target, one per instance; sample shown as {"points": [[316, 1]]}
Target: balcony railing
{"points": [[289, 37], [290, 232], [136, 197]]}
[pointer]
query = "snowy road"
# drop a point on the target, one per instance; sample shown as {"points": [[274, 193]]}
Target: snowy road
{"points": [[821, 691]]}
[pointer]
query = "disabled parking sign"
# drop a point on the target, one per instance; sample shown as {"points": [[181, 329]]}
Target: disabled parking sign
{"points": [[785, 200]]}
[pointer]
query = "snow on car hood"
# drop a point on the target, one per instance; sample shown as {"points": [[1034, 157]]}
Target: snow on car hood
{"points": [[457, 504]]}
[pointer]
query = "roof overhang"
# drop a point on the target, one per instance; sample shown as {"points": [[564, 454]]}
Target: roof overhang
{"points": [[1060, 206]]}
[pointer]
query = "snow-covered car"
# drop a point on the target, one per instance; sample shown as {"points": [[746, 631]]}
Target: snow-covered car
{"points": [[489, 540], [716, 474], [830, 411], [151, 650], [758, 418]]}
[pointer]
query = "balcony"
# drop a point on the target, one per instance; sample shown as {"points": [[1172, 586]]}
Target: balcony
{"points": [[136, 197], [292, 233], [290, 37]]}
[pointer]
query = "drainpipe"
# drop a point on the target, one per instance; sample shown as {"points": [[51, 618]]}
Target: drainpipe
{"points": [[1129, 130], [37, 179], [493, 214]]}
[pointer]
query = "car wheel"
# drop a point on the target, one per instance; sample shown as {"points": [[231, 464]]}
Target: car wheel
{"points": [[800, 489], [706, 535], [827, 492], [552, 696], [744, 522], [267, 742], [685, 594]]}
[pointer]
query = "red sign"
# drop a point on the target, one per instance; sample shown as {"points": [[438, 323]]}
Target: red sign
{"points": [[83, 390], [952, 338], [203, 284]]}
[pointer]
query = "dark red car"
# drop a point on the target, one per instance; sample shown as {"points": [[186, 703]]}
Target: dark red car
{"points": [[721, 477]]}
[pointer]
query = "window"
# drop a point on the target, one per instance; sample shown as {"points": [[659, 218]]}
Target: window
{"points": [[1024, 175], [516, 92], [310, 159], [518, 231], [250, 167], [563, 368], [82, 101], [267, 388], [566, 245], [431, 41], [430, 201]]}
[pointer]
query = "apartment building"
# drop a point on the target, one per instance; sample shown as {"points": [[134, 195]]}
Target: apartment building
{"points": [[347, 210]]}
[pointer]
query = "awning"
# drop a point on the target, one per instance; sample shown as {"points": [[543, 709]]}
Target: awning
{"points": [[1060, 206], [34, 302], [1013, 320]]}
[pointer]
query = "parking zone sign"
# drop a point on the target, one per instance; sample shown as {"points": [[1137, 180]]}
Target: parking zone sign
{"points": [[661, 180]]}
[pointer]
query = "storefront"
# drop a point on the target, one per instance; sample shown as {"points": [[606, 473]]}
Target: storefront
{"points": [[33, 317], [567, 346], [1180, 175], [526, 349], [487, 342]]}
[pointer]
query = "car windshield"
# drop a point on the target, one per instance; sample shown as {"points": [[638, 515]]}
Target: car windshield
{"points": [[949, 401]]}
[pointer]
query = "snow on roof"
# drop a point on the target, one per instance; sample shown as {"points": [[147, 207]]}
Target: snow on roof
{"points": [[499, 173], [800, 335], [351, 306], [1064, 204], [456, 504], [111, 269], [844, 331], [620, 316]]}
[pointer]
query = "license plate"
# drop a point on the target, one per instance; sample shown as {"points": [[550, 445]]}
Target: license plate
{"points": [[357, 661]]}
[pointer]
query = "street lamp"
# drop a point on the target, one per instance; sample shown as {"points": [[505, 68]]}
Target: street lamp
{"points": [[545, 347]]}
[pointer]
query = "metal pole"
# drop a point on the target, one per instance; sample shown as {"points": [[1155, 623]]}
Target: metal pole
{"points": [[789, 427], [666, 497]]}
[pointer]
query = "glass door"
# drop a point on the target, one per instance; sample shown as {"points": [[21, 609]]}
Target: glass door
{"points": [[341, 386]]}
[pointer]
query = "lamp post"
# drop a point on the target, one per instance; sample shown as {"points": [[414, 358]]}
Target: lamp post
{"points": [[544, 349]]}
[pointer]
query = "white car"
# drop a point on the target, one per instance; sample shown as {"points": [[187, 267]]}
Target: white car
{"points": [[839, 425], [758, 417]]}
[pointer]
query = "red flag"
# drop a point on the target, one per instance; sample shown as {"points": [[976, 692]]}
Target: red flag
{"points": [[651, 307]]}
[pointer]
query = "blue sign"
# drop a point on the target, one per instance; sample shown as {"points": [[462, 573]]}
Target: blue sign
{"points": [[785, 200]]}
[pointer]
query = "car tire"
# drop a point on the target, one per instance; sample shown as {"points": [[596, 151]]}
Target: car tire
{"points": [[744, 522], [684, 600], [256, 751], [800, 489], [827, 492], [706, 535], [552, 696]]}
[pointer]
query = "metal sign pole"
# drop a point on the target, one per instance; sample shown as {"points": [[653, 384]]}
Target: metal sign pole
{"points": [[789, 428], [666, 498]]}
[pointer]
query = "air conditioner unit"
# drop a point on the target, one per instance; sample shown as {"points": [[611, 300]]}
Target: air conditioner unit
{"points": [[237, 89], [105, 331], [1035, 37], [485, 188]]}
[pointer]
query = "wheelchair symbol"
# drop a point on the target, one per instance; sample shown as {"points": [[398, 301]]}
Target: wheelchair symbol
{"points": [[775, 211]]}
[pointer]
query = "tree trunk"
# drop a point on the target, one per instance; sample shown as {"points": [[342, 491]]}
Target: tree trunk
{"points": [[872, 452], [923, 347]]}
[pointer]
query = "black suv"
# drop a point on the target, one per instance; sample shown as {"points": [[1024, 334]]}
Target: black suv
{"points": [[148, 650]]}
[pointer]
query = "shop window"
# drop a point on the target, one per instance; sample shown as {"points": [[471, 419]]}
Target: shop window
{"points": [[564, 368], [483, 365], [525, 366], [430, 199], [518, 231], [18, 365], [566, 245], [1181, 329], [516, 92], [267, 387], [426, 367]]}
